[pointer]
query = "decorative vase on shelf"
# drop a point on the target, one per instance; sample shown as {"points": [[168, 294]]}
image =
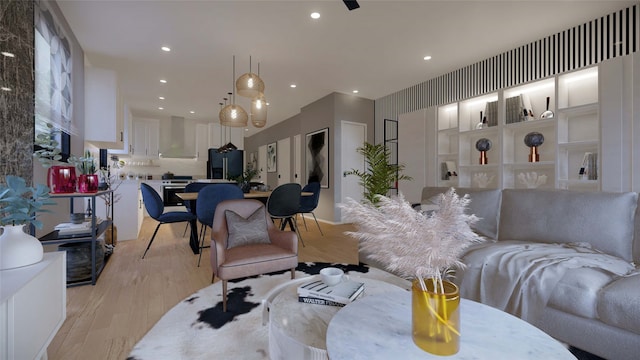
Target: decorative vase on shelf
{"points": [[88, 183], [483, 145], [17, 248], [436, 317], [61, 179], [533, 140]]}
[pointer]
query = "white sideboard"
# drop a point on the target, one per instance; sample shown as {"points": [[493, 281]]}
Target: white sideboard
{"points": [[33, 307]]}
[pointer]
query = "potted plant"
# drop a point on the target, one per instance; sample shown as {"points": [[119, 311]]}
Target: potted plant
{"points": [[18, 207], [60, 178], [424, 247], [88, 179], [380, 174], [244, 179]]}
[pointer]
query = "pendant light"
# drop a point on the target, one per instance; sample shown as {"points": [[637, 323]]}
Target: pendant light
{"points": [[233, 115], [259, 109], [249, 84]]}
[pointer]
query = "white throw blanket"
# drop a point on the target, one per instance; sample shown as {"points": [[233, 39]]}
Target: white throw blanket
{"points": [[519, 277]]}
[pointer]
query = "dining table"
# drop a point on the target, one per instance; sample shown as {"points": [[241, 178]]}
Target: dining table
{"points": [[192, 197]]}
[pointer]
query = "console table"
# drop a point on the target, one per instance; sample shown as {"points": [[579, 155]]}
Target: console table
{"points": [[379, 327], [33, 303]]}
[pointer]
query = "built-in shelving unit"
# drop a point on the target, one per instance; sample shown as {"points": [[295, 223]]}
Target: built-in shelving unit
{"points": [[571, 136], [97, 230]]}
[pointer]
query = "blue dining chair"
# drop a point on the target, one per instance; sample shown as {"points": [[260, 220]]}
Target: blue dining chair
{"points": [[310, 203], [155, 207], [283, 204], [190, 188], [208, 199]]}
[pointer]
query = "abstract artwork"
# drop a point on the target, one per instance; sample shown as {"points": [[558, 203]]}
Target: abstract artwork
{"points": [[317, 144], [272, 157]]}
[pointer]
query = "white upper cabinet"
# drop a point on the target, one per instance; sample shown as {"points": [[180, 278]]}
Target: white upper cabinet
{"points": [[104, 109], [146, 138]]}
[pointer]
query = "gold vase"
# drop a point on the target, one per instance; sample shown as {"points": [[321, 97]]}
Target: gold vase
{"points": [[110, 237], [436, 317]]}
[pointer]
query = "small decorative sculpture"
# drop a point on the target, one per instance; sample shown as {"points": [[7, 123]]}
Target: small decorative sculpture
{"points": [[483, 145], [533, 140], [532, 180], [482, 179]]}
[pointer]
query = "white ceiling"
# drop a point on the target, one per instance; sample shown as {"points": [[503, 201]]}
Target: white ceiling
{"points": [[377, 49]]}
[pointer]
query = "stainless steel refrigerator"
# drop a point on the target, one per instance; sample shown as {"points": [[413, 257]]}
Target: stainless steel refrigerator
{"points": [[225, 165]]}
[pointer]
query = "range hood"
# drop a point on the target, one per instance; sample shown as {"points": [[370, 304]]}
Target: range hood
{"points": [[174, 147]]}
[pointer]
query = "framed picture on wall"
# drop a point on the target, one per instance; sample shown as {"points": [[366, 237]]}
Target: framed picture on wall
{"points": [[317, 157], [272, 157]]}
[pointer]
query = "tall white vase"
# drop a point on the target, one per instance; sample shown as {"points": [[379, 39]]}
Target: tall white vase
{"points": [[17, 248]]}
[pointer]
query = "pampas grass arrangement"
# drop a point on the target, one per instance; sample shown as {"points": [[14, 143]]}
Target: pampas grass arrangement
{"points": [[414, 244]]}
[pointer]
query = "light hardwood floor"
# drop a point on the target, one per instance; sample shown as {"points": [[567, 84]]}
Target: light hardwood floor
{"points": [[106, 320]]}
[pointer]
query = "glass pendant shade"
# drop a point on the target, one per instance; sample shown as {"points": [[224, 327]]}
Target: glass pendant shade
{"points": [[234, 116], [259, 112], [249, 85]]}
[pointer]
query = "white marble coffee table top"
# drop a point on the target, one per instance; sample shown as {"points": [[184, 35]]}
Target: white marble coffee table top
{"points": [[379, 327], [295, 324]]}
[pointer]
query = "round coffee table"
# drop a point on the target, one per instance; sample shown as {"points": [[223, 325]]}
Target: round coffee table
{"points": [[379, 327], [298, 330]]}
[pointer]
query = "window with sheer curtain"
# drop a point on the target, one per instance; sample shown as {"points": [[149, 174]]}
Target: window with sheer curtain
{"points": [[53, 87]]}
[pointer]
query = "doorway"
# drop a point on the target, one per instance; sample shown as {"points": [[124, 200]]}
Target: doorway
{"points": [[353, 136]]}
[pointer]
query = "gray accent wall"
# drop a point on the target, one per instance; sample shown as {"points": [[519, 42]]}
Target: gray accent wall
{"points": [[327, 112]]}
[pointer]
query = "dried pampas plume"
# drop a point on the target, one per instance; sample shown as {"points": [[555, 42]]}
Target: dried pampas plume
{"points": [[409, 242]]}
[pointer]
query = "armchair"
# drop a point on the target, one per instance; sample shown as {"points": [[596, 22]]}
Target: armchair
{"points": [[245, 242]]}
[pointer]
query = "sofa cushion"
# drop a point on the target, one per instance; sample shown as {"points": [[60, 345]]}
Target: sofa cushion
{"points": [[619, 303], [249, 231], [577, 292], [563, 216], [485, 204]]}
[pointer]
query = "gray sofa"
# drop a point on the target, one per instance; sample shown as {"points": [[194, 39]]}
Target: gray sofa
{"points": [[572, 254]]}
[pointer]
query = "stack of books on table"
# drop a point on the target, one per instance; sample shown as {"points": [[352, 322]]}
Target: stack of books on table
{"points": [[84, 228], [317, 292]]}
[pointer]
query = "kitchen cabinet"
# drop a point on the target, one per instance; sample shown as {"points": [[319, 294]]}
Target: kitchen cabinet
{"points": [[202, 141], [146, 138], [104, 109], [33, 303], [126, 204], [127, 148]]}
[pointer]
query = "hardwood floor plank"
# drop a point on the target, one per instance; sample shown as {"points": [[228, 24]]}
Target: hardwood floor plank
{"points": [[106, 320]]}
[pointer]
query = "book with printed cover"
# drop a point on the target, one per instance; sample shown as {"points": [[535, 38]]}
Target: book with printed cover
{"points": [[344, 292], [317, 301]]}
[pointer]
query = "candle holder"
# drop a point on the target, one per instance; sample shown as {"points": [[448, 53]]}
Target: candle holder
{"points": [[533, 140], [483, 145]]}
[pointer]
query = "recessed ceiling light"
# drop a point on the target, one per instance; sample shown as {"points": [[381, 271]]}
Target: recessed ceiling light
{"points": [[355, 91], [166, 48], [192, 112], [427, 57], [4, 88], [246, 129], [293, 85], [163, 81], [161, 97], [267, 104], [160, 108], [315, 15], [8, 54]]}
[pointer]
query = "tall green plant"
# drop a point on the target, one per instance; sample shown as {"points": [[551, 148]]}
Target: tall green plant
{"points": [[379, 174]]}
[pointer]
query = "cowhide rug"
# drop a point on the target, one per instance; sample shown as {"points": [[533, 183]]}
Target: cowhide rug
{"points": [[197, 328]]}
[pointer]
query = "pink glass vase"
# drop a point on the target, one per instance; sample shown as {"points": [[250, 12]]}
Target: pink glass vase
{"points": [[88, 183], [61, 179]]}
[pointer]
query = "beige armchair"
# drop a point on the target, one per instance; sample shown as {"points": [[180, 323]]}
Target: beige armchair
{"points": [[245, 242]]}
